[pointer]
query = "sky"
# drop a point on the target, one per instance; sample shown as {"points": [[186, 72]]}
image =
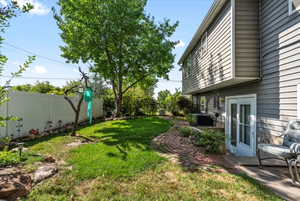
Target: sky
{"points": [[36, 33]]}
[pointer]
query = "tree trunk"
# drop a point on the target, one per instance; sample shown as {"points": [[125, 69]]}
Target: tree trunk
{"points": [[119, 105], [75, 123], [76, 111], [119, 96]]}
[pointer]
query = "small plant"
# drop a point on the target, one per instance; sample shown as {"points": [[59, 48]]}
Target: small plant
{"points": [[9, 158], [34, 132], [212, 141], [5, 142], [192, 119], [187, 131]]}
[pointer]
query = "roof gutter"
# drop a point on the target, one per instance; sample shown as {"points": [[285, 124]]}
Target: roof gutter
{"points": [[212, 13]]}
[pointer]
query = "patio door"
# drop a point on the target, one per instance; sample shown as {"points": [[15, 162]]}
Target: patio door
{"points": [[241, 125]]}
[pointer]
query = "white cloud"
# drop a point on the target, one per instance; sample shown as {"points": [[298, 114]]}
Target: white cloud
{"points": [[39, 69], [75, 70], [16, 63], [3, 2], [38, 7], [181, 44]]}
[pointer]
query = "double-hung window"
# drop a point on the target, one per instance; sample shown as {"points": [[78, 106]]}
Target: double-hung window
{"points": [[189, 65], [294, 6], [203, 104], [204, 44]]}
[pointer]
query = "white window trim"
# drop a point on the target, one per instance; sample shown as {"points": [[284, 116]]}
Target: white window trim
{"points": [[291, 11]]}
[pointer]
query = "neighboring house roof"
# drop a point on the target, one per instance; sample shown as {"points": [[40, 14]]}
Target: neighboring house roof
{"points": [[213, 12]]}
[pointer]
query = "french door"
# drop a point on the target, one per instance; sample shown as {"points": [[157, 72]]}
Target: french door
{"points": [[241, 125]]}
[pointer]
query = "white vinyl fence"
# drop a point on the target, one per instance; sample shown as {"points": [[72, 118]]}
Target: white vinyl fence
{"points": [[38, 109]]}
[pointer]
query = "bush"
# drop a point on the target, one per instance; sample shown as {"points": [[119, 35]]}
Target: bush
{"points": [[149, 105], [192, 119], [108, 105], [188, 131], [8, 158], [212, 141], [184, 104]]}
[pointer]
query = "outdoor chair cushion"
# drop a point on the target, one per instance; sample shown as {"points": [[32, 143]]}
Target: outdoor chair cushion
{"points": [[278, 150], [292, 134]]}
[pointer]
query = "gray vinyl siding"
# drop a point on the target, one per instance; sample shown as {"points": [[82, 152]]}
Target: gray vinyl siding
{"points": [[280, 69], [215, 66], [247, 38], [280, 65]]}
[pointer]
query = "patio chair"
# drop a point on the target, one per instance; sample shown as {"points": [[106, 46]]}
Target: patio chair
{"points": [[289, 151], [296, 149]]}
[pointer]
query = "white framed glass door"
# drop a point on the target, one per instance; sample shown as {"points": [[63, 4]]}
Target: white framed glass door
{"points": [[241, 125]]}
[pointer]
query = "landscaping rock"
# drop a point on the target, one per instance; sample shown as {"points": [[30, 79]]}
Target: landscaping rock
{"points": [[76, 144], [24, 149], [12, 190], [50, 159], [44, 172]]}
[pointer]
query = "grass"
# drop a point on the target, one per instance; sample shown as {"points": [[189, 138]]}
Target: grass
{"points": [[122, 166], [50, 145], [124, 149], [165, 182]]}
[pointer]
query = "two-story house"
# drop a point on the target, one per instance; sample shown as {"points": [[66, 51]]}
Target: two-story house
{"points": [[244, 63]]}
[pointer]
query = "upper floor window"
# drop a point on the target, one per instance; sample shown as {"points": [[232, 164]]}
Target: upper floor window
{"points": [[187, 67], [294, 6], [189, 64], [204, 44]]}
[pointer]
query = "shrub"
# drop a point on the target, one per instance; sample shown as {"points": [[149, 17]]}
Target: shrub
{"points": [[212, 141], [184, 104], [108, 105], [188, 131], [149, 105], [192, 119], [8, 158]]}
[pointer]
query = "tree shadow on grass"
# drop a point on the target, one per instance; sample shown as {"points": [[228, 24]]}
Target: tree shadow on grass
{"points": [[129, 135]]}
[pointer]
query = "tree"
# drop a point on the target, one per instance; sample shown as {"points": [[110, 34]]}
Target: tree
{"points": [[120, 42], [74, 88], [43, 87], [6, 13], [40, 87], [24, 87], [172, 105], [162, 98]]}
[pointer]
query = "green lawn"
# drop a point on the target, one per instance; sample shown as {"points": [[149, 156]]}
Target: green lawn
{"points": [[122, 166], [124, 149]]}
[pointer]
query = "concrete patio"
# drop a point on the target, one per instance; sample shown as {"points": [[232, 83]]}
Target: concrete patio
{"points": [[274, 175]]}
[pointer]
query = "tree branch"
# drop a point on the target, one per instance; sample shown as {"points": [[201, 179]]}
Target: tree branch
{"points": [[134, 83], [70, 102]]}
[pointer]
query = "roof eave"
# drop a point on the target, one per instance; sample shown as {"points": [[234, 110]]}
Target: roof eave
{"points": [[212, 13]]}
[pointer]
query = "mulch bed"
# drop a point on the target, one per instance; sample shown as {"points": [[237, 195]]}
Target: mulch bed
{"points": [[182, 150]]}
